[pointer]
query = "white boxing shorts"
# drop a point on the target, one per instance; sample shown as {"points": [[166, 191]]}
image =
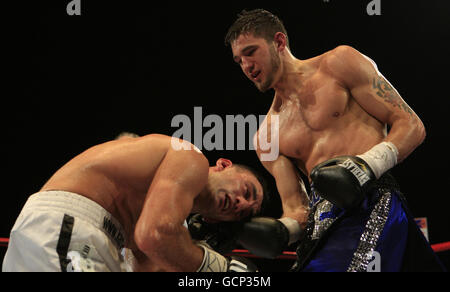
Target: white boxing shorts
{"points": [[61, 231]]}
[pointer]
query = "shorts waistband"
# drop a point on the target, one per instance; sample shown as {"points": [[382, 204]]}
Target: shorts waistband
{"points": [[79, 207]]}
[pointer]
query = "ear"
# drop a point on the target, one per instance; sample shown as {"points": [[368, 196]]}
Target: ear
{"points": [[280, 40], [223, 163]]}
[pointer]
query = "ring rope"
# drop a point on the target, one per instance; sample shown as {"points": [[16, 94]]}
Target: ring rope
{"points": [[287, 255], [290, 255]]}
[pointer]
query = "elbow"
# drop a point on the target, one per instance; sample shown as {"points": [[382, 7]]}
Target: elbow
{"points": [[419, 131], [413, 135], [143, 241], [153, 239], [148, 240]]}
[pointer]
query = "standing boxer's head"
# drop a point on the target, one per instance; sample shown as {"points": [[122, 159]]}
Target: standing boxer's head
{"points": [[258, 40], [236, 192]]}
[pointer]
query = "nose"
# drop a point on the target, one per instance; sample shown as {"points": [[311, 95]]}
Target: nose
{"points": [[242, 204], [247, 66]]}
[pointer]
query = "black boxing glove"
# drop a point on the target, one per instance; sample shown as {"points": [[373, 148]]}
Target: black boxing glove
{"points": [[262, 236], [344, 180], [268, 237], [219, 236]]}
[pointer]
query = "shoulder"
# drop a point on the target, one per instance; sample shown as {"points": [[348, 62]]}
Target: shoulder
{"points": [[343, 52], [180, 159], [179, 148], [345, 63], [341, 57], [188, 161]]}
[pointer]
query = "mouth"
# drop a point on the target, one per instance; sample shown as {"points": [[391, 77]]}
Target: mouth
{"points": [[255, 75]]}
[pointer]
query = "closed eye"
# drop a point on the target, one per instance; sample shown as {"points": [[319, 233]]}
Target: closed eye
{"points": [[247, 195], [250, 53]]}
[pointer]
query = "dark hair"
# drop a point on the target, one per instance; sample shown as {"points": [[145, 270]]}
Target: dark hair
{"points": [[267, 201], [259, 22]]}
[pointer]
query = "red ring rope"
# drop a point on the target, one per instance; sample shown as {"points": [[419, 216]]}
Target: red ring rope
{"points": [[439, 247], [4, 242]]}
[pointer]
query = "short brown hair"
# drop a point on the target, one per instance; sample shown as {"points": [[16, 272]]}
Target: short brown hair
{"points": [[259, 22]]}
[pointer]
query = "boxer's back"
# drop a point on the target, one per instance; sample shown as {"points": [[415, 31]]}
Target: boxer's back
{"points": [[115, 174]]}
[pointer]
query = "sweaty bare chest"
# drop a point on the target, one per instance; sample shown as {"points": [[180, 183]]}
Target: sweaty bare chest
{"points": [[304, 120]]}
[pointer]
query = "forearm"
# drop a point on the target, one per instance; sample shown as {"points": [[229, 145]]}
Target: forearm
{"points": [[406, 135], [291, 188], [174, 251], [294, 198], [141, 263], [296, 206]]}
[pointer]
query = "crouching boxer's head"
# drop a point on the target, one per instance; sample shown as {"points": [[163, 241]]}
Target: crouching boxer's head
{"points": [[236, 192]]}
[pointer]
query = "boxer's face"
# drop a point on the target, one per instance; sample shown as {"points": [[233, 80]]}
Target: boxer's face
{"points": [[236, 194], [258, 59]]}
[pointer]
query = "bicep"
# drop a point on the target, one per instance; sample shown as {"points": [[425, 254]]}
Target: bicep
{"points": [[169, 200], [370, 89]]}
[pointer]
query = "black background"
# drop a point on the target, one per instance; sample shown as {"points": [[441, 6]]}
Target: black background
{"points": [[71, 82]]}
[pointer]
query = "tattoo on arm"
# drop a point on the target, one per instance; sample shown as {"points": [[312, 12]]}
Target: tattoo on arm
{"points": [[389, 94]]}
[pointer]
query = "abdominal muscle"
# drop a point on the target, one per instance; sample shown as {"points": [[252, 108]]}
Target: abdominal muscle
{"points": [[353, 140]]}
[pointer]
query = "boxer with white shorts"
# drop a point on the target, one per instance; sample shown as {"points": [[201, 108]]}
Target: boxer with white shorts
{"points": [[133, 193]]}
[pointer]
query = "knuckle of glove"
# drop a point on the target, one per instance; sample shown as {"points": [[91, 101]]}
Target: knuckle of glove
{"points": [[219, 236], [198, 228], [264, 237], [342, 181]]}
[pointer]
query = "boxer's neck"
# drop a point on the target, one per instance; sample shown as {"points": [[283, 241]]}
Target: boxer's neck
{"points": [[290, 81]]}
